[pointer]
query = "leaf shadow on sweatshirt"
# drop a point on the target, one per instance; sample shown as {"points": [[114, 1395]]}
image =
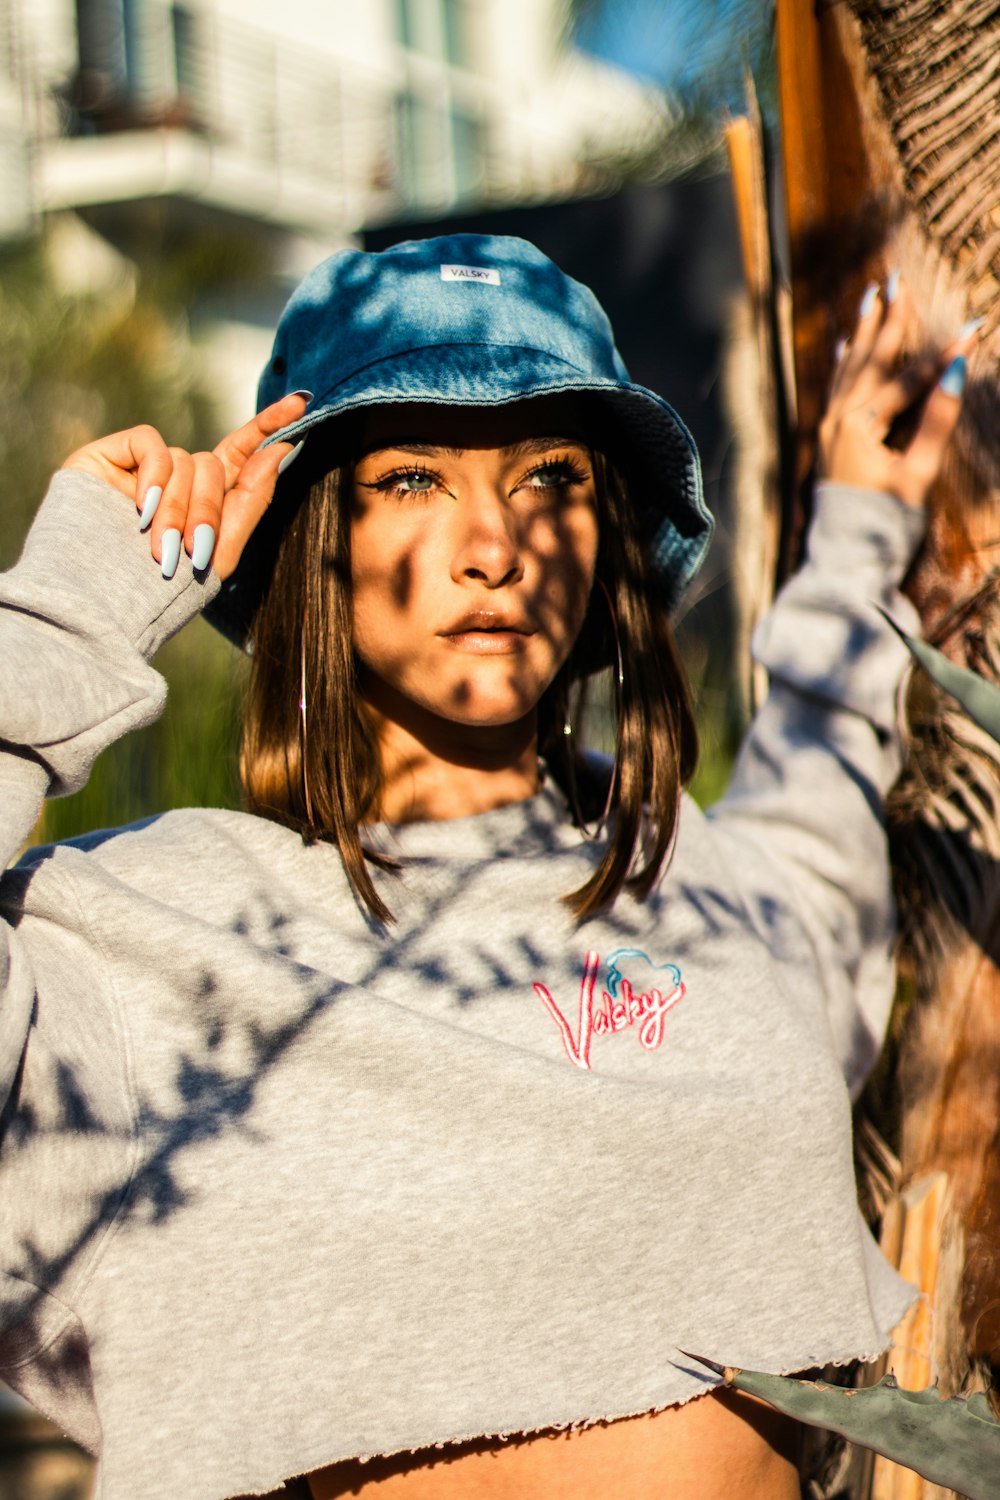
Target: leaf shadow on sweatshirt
{"points": [[212, 1089]]}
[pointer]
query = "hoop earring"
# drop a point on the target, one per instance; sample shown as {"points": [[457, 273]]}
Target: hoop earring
{"points": [[304, 727], [568, 732]]}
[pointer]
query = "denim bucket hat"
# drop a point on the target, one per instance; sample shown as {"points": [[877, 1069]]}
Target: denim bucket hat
{"points": [[467, 320]]}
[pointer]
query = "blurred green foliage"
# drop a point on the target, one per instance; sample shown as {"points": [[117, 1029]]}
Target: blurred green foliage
{"points": [[80, 361], [718, 710], [188, 758]]}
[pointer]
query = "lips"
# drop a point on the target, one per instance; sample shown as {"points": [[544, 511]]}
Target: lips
{"points": [[489, 632], [490, 622]]}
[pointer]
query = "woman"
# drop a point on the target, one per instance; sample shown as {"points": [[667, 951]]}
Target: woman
{"points": [[452, 1095]]}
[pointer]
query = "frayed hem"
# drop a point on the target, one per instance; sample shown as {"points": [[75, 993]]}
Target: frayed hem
{"points": [[526, 1434], [700, 1381]]}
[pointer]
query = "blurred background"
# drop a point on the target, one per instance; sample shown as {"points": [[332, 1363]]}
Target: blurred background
{"points": [[169, 171]]}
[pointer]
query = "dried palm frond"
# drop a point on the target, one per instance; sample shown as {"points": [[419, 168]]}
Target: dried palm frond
{"points": [[937, 63], [944, 819]]}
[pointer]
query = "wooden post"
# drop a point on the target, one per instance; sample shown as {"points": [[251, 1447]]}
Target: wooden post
{"points": [[831, 207]]}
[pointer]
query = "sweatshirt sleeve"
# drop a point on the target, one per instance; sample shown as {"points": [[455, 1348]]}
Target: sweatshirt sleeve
{"points": [[81, 614], [803, 813]]}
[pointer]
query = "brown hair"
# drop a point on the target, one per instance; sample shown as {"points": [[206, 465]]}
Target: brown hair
{"points": [[318, 771]]}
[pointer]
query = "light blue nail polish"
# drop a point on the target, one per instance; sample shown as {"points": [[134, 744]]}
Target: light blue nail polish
{"points": [[953, 380], [204, 542], [971, 327], [291, 456], [170, 551], [892, 288], [869, 300], [307, 394], [150, 501]]}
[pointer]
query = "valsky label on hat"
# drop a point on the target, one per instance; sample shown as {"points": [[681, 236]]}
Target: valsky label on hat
{"points": [[486, 274]]}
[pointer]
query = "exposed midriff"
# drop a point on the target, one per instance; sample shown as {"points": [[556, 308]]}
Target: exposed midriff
{"points": [[720, 1447]]}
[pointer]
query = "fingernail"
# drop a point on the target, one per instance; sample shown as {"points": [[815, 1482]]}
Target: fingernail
{"points": [[869, 300], [971, 327], [307, 395], [291, 456], [952, 382], [170, 551], [201, 551], [892, 288], [150, 501], [839, 350]]}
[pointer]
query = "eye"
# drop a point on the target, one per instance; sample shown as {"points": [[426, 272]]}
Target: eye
{"points": [[413, 481], [556, 474], [403, 483]]}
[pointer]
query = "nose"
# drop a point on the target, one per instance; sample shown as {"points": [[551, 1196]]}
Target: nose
{"points": [[487, 549]]}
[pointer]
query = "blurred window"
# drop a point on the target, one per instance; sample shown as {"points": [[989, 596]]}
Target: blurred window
{"points": [[404, 30], [457, 39], [468, 140], [437, 28], [419, 25], [132, 32], [100, 35], [186, 69], [99, 28], [422, 155]]}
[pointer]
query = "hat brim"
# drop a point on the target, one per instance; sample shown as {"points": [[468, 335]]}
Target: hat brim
{"points": [[638, 429]]}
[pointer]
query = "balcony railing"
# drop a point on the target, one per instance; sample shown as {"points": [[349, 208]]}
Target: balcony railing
{"points": [[176, 99], [237, 88]]}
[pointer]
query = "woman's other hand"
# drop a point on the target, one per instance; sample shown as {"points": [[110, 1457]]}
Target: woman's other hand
{"points": [[875, 385], [209, 503]]}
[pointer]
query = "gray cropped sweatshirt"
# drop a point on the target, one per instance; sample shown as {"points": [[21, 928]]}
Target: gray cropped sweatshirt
{"points": [[280, 1187]]}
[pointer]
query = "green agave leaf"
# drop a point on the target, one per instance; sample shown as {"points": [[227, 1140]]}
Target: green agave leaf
{"points": [[954, 1443], [979, 698]]}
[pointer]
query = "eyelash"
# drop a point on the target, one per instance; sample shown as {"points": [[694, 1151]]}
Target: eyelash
{"points": [[390, 484], [570, 473]]}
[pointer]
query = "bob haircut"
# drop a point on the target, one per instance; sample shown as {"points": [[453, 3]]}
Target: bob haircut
{"points": [[309, 757]]}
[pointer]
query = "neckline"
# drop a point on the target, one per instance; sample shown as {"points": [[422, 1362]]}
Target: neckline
{"points": [[503, 832]]}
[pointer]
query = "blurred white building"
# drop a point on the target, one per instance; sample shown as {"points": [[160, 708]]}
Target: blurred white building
{"points": [[292, 125], [313, 115]]}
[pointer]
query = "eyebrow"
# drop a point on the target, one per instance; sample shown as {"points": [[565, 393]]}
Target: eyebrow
{"points": [[522, 449]]}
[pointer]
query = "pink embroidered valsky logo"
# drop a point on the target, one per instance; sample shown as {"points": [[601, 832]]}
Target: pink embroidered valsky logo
{"points": [[621, 1007]]}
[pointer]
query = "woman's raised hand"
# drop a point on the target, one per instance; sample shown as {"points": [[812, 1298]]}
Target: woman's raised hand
{"points": [[875, 384], [209, 503]]}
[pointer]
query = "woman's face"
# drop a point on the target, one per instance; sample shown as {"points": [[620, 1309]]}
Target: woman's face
{"points": [[473, 544]]}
